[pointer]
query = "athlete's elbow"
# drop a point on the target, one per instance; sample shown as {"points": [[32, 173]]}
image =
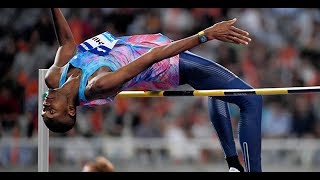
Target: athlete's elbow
{"points": [[101, 86], [96, 86]]}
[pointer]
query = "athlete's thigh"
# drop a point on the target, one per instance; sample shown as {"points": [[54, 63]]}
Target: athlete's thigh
{"points": [[202, 73]]}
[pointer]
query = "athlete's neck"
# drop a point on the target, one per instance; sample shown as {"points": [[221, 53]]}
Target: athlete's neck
{"points": [[71, 86]]}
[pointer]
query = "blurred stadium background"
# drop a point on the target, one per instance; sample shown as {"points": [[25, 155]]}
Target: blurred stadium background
{"points": [[169, 133]]}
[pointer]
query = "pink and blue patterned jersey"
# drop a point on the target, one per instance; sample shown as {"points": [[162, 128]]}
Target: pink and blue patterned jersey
{"points": [[162, 75]]}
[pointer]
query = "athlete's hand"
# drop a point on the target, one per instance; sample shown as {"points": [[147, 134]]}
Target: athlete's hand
{"points": [[227, 32]]}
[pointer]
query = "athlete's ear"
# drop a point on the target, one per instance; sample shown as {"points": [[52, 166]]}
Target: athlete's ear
{"points": [[72, 110]]}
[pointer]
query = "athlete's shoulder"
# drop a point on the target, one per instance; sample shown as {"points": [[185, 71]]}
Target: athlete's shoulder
{"points": [[52, 77]]}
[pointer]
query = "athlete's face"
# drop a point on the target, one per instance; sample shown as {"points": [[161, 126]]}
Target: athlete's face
{"points": [[54, 105]]}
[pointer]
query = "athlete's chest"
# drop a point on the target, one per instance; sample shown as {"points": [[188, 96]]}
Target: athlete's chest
{"points": [[77, 71]]}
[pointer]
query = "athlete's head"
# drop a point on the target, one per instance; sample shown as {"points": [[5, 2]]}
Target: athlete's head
{"points": [[59, 113]]}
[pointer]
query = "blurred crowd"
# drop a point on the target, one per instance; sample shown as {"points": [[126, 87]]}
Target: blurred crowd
{"points": [[285, 52]]}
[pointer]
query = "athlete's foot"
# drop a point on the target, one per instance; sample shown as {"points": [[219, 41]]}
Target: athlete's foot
{"points": [[232, 169], [234, 164]]}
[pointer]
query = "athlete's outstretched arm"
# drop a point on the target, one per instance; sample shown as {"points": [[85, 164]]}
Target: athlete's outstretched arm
{"points": [[224, 31], [67, 45], [66, 50]]}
